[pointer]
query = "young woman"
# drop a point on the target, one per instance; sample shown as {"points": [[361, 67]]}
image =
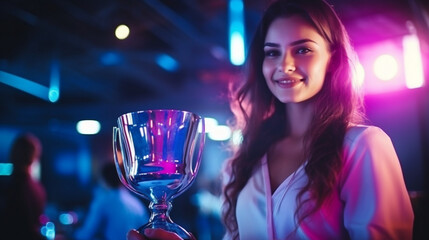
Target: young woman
{"points": [[307, 168]]}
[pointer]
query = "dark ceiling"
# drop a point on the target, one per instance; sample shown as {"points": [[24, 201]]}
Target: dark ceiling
{"points": [[78, 37]]}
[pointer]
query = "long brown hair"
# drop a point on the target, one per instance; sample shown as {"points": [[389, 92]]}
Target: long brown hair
{"points": [[336, 106]]}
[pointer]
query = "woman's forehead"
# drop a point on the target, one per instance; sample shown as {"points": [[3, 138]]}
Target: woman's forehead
{"points": [[293, 28]]}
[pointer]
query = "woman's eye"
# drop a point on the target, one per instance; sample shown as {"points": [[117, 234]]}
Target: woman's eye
{"points": [[272, 53], [303, 50]]}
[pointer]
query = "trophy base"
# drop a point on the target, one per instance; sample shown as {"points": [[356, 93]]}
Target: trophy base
{"points": [[170, 228]]}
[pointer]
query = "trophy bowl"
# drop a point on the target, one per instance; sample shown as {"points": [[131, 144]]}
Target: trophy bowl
{"points": [[157, 155]]}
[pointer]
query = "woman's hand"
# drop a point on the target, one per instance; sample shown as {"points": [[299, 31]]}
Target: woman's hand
{"points": [[153, 234]]}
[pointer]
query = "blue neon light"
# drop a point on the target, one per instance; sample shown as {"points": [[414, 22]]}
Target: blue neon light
{"points": [[51, 93], [54, 86], [167, 62], [236, 32], [6, 169], [25, 85], [110, 58]]}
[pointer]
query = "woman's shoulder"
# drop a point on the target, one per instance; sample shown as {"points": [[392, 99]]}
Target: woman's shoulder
{"points": [[367, 140], [365, 133]]}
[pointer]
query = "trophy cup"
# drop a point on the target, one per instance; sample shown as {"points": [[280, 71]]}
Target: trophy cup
{"points": [[157, 155]]}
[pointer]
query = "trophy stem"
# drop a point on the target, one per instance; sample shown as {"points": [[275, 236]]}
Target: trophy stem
{"points": [[160, 212], [160, 218]]}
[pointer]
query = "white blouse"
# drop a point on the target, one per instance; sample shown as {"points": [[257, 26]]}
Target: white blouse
{"points": [[372, 201]]}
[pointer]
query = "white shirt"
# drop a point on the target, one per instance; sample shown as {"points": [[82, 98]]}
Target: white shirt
{"points": [[372, 201], [112, 214]]}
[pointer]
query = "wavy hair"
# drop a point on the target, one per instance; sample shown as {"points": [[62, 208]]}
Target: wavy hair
{"points": [[336, 107]]}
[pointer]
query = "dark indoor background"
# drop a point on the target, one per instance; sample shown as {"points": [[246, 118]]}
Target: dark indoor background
{"points": [[101, 77]]}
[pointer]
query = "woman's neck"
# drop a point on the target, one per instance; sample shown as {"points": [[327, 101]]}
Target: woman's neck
{"points": [[300, 116]]}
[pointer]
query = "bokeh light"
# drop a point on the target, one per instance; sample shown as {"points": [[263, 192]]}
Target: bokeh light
{"points": [[385, 67], [220, 133], [122, 31], [88, 127], [412, 62]]}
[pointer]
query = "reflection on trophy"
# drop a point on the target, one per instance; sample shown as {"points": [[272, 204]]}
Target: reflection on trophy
{"points": [[157, 155]]}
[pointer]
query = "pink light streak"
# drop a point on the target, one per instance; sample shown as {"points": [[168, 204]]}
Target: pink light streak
{"points": [[412, 62]]}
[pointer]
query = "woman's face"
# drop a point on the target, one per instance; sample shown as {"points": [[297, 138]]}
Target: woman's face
{"points": [[296, 59]]}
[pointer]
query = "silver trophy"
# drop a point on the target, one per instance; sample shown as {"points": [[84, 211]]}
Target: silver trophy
{"points": [[157, 155]]}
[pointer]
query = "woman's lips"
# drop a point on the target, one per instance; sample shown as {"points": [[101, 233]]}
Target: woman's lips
{"points": [[288, 83]]}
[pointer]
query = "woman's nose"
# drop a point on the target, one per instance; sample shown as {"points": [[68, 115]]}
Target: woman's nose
{"points": [[287, 64]]}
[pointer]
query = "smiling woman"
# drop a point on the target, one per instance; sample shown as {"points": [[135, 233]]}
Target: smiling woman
{"points": [[307, 167]]}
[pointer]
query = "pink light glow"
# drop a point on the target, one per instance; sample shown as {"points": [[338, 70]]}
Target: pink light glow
{"points": [[412, 62], [358, 75], [382, 63], [385, 67]]}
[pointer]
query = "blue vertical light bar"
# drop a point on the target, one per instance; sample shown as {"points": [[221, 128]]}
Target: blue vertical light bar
{"points": [[54, 86], [236, 32]]}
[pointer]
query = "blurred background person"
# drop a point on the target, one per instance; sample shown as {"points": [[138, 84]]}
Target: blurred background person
{"points": [[113, 211], [25, 196]]}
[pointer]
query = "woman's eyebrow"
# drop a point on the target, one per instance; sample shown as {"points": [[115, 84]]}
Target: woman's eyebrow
{"points": [[270, 44], [294, 43], [301, 41]]}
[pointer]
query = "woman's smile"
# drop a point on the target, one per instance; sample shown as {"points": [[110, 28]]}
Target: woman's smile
{"points": [[288, 82]]}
